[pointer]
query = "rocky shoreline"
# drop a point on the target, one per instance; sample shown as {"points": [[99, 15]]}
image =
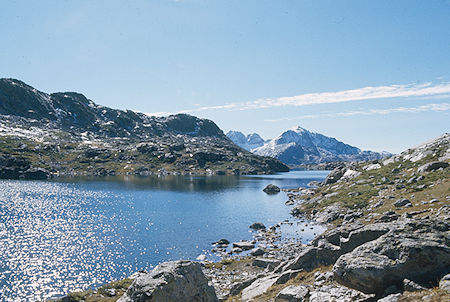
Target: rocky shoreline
{"points": [[387, 239]]}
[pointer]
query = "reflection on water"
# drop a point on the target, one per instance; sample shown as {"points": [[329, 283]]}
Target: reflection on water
{"points": [[58, 236], [171, 182]]}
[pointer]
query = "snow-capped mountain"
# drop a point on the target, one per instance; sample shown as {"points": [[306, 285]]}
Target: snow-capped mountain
{"points": [[249, 142], [299, 146]]}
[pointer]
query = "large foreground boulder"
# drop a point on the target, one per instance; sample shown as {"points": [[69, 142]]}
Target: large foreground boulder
{"points": [[328, 247], [171, 281], [418, 251]]}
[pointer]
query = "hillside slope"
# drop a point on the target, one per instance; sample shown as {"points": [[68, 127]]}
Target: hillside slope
{"points": [[68, 134]]}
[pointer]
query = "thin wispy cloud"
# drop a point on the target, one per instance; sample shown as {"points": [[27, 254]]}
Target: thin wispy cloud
{"points": [[429, 107], [428, 90]]}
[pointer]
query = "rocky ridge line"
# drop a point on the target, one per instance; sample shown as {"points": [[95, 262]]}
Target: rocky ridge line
{"points": [[300, 147], [65, 134]]}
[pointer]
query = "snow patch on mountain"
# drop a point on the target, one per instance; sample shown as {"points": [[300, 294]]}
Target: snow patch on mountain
{"points": [[299, 146], [249, 142]]}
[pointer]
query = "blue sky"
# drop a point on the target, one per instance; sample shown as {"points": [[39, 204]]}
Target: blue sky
{"points": [[375, 74]]}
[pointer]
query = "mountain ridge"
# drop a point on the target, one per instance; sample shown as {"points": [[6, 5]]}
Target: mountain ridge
{"points": [[74, 110], [299, 146], [249, 142], [65, 133]]}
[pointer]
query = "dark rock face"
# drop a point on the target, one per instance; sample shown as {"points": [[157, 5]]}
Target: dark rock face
{"points": [[146, 148], [275, 165], [177, 147], [36, 174], [171, 281], [204, 157], [91, 153], [12, 167], [432, 166], [402, 202], [257, 252], [415, 250], [295, 154], [14, 93], [184, 123], [9, 173], [335, 175], [271, 189]]}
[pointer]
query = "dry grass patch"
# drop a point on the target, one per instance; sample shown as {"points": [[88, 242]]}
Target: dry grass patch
{"points": [[433, 295], [100, 295]]}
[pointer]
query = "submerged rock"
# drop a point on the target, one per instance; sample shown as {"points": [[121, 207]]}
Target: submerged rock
{"points": [[222, 242], [258, 226], [171, 281], [244, 245]]}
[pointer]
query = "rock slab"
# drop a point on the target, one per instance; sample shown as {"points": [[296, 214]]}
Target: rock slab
{"points": [[171, 281], [293, 293], [416, 250]]}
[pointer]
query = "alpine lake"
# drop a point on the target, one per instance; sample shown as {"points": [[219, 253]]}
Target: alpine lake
{"points": [[61, 235]]}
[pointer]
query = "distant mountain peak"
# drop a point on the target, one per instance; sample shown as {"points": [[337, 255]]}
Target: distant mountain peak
{"points": [[249, 142], [299, 129], [297, 146]]}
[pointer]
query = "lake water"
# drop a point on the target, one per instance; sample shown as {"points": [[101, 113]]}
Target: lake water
{"points": [[58, 236]]}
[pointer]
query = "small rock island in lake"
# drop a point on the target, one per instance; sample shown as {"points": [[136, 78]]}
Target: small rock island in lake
{"points": [[271, 189]]}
